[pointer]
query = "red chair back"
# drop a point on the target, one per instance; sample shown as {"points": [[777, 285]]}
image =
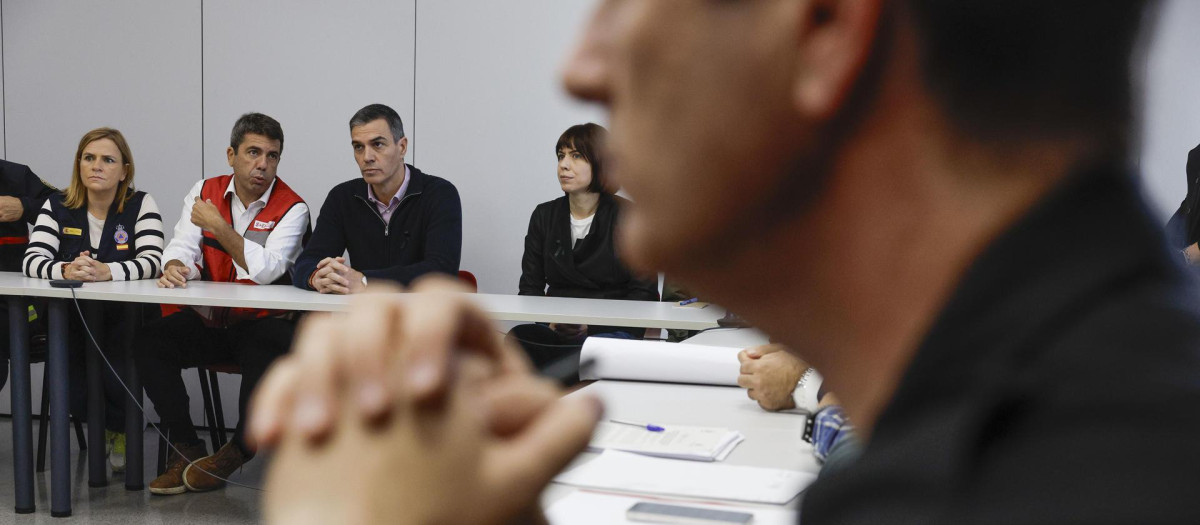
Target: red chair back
{"points": [[469, 279]]}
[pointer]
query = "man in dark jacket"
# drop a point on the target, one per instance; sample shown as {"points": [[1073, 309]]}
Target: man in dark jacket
{"points": [[396, 222], [21, 196]]}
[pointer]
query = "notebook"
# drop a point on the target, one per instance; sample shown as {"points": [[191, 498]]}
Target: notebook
{"points": [[675, 441]]}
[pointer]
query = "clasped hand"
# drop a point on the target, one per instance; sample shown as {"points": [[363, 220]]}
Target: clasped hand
{"points": [[11, 209], [85, 268], [403, 408], [334, 276], [769, 374]]}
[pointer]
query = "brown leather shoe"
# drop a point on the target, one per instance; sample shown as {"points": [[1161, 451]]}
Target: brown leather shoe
{"points": [[171, 480], [198, 477]]}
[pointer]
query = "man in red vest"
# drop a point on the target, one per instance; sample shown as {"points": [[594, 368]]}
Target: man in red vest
{"points": [[247, 228]]}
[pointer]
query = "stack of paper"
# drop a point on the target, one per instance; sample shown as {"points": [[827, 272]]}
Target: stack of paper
{"points": [[676, 442], [587, 508], [659, 362], [622, 471]]}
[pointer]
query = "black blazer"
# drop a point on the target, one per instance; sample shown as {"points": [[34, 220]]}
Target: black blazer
{"points": [[17, 180], [552, 267], [1183, 229]]}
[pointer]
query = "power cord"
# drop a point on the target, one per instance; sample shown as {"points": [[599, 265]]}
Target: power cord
{"points": [[137, 401]]}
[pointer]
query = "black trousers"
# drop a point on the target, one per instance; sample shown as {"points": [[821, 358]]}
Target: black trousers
{"points": [[113, 328], [4, 350], [164, 348]]}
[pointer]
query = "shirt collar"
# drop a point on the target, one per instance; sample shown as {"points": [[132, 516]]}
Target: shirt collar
{"points": [[399, 193], [266, 196]]}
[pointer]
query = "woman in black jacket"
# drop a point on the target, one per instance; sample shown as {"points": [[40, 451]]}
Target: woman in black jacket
{"points": [[569, 250], [1183, 230]]}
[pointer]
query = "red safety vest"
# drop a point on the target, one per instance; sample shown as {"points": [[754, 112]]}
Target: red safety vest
{"points": [[218, 265]]}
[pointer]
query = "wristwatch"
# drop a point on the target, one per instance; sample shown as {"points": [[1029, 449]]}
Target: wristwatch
{"points": [[805, 395]]}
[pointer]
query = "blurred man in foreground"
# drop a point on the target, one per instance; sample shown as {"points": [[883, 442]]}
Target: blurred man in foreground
{"points": [[954, 242]]}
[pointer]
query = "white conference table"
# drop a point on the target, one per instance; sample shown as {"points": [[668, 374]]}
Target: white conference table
{"points": [[731, 337], [14, 286], [641, 314], [773, 439]]}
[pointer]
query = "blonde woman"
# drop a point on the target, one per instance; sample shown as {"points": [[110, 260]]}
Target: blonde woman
{"points": [[101, 229]]}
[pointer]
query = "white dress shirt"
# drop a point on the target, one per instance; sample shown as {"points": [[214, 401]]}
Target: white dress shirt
{"points": [[265, 263]]}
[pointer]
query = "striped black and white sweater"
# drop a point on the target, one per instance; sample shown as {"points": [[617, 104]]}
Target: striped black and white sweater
{"points": [[130, 243]]}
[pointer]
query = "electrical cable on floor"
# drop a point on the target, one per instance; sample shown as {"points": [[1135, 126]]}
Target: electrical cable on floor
{"points": [[137, 401], [163, 436]]}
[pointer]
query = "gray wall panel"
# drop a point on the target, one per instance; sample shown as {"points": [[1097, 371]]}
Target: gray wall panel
{"points": [[129, 64], [309, 64], [490, 108]]}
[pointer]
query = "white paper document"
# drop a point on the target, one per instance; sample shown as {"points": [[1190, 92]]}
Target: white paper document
{"points": [[676, 441], [659, 361], [589, 508], [622, 471]]}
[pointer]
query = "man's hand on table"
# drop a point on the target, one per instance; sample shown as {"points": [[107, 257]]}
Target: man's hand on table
{"points": [[411, 411]]}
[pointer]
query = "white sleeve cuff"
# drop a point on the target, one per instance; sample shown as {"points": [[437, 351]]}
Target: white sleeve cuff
{"points": [[193, 271], [117, 271]]}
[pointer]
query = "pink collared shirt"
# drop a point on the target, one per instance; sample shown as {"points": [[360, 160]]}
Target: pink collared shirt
{"points": [[387, 209]]}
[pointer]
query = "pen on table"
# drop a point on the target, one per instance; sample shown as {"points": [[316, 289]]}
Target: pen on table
{"points": [[686, 302], [652, 428]]}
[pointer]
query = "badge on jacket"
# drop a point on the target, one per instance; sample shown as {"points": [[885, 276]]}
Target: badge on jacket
{"points": [[72, 231], [121, 237]]}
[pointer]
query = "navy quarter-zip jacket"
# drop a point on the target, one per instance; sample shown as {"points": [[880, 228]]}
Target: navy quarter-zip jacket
{"points": [[423, 236]]}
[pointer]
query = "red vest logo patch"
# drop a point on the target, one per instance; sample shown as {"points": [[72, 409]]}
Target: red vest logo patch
{"points": [[260, 225]]}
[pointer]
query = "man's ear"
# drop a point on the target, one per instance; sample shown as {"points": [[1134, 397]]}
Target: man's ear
{"points": [[403, 145], [835, 39], [229, 155]]}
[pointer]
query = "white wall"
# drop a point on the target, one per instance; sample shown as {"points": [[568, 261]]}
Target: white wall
{"points": [[3, 127], [309, 64], [490, 109], [129, 64], [1172, 111]]}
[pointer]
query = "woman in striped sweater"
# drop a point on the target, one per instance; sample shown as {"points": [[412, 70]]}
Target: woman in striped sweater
{"points": [[101, 229]]}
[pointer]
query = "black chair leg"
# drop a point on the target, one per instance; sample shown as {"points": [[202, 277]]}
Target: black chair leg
{"points": [[210, 416], [163, 450], [43, 426], [216, 403], [80, 436]]}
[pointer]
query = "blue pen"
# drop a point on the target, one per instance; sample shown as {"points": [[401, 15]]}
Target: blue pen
{"points": [[652, 428], [688, 301]]}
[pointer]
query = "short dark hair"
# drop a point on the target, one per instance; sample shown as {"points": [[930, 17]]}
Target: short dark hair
{"points": [[258, 124], [589, 140], [1015, 68], [375, 112]]}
